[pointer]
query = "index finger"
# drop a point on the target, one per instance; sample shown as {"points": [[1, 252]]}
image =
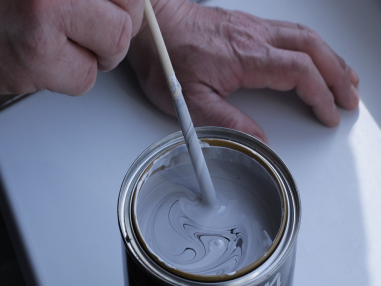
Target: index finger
{"points": [[135, 9]]}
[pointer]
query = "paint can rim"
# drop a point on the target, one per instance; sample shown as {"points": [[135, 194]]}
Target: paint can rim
{"points": [[143, 257]]}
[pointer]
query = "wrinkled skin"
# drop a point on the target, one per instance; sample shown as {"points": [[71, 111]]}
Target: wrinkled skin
{"points": [[214, 52], [60, 44]]}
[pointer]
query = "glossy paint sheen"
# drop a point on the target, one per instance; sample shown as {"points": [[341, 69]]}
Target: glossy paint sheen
{"points": [[189, 236]]}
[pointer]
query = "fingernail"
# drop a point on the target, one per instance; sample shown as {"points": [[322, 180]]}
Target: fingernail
{"points": [[354, 96], [337, 116], [354, 77]]}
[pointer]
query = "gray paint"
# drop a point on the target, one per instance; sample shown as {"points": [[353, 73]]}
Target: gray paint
{"points": [[187, 235]]}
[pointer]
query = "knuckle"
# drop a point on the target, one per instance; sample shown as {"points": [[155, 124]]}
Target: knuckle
{"points": [[301, 64], [234, 17], [246, 38], [344, 78], [241, 28], [239, 39], [121, 38], [136, 15], [301, 27], [341, 62], [244, 43], [311, 37]]}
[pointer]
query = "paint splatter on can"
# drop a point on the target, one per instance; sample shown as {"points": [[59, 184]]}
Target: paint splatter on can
{"points": [[227, 150]]}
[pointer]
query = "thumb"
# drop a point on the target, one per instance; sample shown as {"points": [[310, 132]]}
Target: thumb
{"points": [[210, 109]]}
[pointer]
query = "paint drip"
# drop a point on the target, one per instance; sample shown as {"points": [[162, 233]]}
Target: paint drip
{"points": [[184, 234]]}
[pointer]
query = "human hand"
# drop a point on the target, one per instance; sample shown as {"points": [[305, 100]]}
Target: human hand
{"points": [[215, 52], [60, 44]]}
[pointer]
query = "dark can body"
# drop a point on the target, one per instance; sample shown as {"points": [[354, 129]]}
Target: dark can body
{"points": [[276, 269]]}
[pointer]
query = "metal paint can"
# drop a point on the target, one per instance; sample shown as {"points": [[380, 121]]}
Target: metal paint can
{"points": [[274, 268]]}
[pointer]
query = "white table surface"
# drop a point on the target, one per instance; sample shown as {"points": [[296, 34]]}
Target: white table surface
{"points": [[63, 159]]}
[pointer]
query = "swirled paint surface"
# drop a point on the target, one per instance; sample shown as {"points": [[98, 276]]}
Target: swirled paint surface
{"points": [[188, 236]]}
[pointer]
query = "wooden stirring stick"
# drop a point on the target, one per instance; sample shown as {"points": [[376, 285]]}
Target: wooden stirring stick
{"points": [[198, 161]]}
